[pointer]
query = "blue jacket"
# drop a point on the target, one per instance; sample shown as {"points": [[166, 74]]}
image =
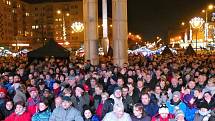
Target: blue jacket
{"points": [[182, 106], [190, 113], [41, 116], [151, 109]]}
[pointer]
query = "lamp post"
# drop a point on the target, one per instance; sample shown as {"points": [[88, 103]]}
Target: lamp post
{"points": [[77, 27], [209, 7], [196, 23]]}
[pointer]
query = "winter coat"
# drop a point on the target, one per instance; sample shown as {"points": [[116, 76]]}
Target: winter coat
{"points": [[151, 109], [5, 113], [202, 116], [32, 105], [190, 113], [42, 116], [19, 96], [145, 118], [182, 106], [26, 116], [212, 117], [79, 102], [70, 114], [157, 117], [112, 117], [93, 118], [108, 106]]}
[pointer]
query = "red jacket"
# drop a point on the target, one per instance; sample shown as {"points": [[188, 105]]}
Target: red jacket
{"points": [[33, 105], [159, 118], [26, 116]]}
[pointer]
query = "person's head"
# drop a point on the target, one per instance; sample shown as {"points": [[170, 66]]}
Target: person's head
{"points": [[79, 90], [158, 89], [118, 110], [66, 102], [140, 83], [93, 82], [117, 92], [58, 101], [145, 98], [138, 110], [191, 84], [211, 82], [43, 105], [56, 84], [125, 91], [9, 105], [207, 96], [16, 78], [130, 87], [98, 89], [189, 99], [46, 93], [20, 108], [179, 115], [33, 92], [174, 82], [67, 92], [202, 78], [87, 112], [120, 82], [197, 92], [176, 96], [163, 111], [3, 92], [104, 96]]}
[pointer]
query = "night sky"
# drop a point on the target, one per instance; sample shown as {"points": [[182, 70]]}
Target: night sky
{"points": [[151, 18]]}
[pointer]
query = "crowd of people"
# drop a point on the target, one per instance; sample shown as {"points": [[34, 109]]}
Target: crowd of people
{"points": [[154, 88]]}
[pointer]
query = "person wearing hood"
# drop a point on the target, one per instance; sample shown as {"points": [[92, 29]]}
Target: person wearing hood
{"points": [[139, 114], [191, 109], [179, 116], [44, 113], [176, 102], [20, 113], [203, 114], [163, 114]]}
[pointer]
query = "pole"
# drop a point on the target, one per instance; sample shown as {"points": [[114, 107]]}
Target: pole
{"points": [[196, 39]]}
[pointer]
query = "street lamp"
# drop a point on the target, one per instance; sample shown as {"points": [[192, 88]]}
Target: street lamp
{"points": [[77, 27], [209, 7], [196, 23]]}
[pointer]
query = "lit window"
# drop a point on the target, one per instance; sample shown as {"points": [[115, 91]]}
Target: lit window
{"points": [[59, 19], [27, 14]]}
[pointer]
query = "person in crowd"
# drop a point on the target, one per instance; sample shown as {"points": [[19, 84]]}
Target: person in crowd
{"points": [[204, 112], [117, 114], [33, 100], [179, 115], [3, 97], [104, 97], [163, 114], [20, 94], [115, 98], [191, 109], [132, 92], [66, 112], [176, 102], [128, 99], [149, 106], [20, 114], [80, 97], [210, 87], [139, 113], [44, 112], [88, 114], [6, 110]]}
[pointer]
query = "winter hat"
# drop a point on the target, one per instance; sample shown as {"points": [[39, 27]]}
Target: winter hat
{"points": [[80, 86], [187, 98], [117, 88], [67, 98], [176, 93], [178, 113], [163, 109], [3, 90]]}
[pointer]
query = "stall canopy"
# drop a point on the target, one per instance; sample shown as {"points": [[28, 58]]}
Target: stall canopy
{"points": [[50, 49], [189, 50], [167, 51]]}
